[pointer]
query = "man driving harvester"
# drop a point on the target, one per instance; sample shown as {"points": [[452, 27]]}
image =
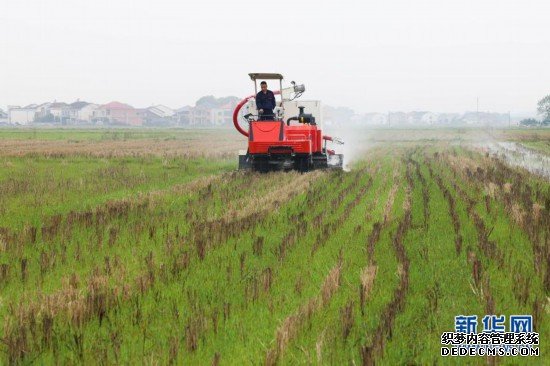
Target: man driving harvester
{"points": [[265, 103]]}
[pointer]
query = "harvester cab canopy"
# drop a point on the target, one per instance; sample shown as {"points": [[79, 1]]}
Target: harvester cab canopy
{"points": [[265, 75], [291, 93], [255, 76]]}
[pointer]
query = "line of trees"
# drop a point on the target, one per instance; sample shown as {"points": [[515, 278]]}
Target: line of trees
{"points": [[543, 109]]}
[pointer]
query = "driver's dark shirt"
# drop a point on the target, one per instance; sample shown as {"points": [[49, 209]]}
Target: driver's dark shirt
{"points": [[266, 101]]}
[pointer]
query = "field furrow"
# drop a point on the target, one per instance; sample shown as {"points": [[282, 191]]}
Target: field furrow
{"points": [[137, 248]]}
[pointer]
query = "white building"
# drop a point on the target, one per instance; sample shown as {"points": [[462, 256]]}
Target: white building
{"points": [[21, 116], [86, 113], [3, 116], [73, 109], [221, 116], [183, 115], [42, 112], [60, 111], [193, 116], [162, 111], [81, 112]]}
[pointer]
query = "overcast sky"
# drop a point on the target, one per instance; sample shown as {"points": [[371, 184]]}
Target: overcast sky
{"points": [[378, 55]]}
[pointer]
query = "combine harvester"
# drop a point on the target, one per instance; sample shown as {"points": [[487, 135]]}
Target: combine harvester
{"points": [[274, 144]]}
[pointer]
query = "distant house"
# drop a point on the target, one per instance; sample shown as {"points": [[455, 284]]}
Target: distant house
{"points": [[200, 116], [117, 113], [193, 116], [208, 111], [222, 115], [158, 115], [60, 111], [81, 112], [43, 113], [74, 109], [21, 115], [85, 114], [162, 111], [3, 116], [183, 115]]}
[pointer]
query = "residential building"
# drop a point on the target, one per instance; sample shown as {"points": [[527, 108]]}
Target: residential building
{"points": [[117, 113], [21, 115], [3, 117], [183, 115], [60, 112], [158, 115], [200, 116], [74, 109], [86, 113], [43, 113], [162, 111], [221, 116], [224, 114]]}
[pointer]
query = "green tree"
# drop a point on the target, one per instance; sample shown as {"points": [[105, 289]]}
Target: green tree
{"points": [[544, 109], [46, 118], [208, 101], [529, 122]]}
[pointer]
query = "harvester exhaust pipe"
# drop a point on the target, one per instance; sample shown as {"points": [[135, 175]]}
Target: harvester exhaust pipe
{"points": [[302, 117], [295, 118]]}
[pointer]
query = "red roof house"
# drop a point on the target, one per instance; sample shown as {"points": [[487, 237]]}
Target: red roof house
{"points": [[120, 114]]}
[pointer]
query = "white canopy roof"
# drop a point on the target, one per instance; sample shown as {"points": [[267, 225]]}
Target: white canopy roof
{"points": [[265, 75]]}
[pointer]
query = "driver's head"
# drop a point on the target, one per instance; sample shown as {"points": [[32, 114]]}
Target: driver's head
{"points": [[263, 85]]}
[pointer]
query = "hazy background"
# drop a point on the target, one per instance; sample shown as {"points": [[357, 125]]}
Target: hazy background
{"points": [[375, 56]]}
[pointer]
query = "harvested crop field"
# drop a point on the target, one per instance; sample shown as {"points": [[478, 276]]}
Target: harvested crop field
{"points": [[148, 247]]}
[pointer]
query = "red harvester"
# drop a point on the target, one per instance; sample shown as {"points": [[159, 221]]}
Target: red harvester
{"points": [[275, 144]]}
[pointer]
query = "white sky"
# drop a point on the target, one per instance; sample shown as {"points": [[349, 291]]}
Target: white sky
{"points": [[378, 55]]}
